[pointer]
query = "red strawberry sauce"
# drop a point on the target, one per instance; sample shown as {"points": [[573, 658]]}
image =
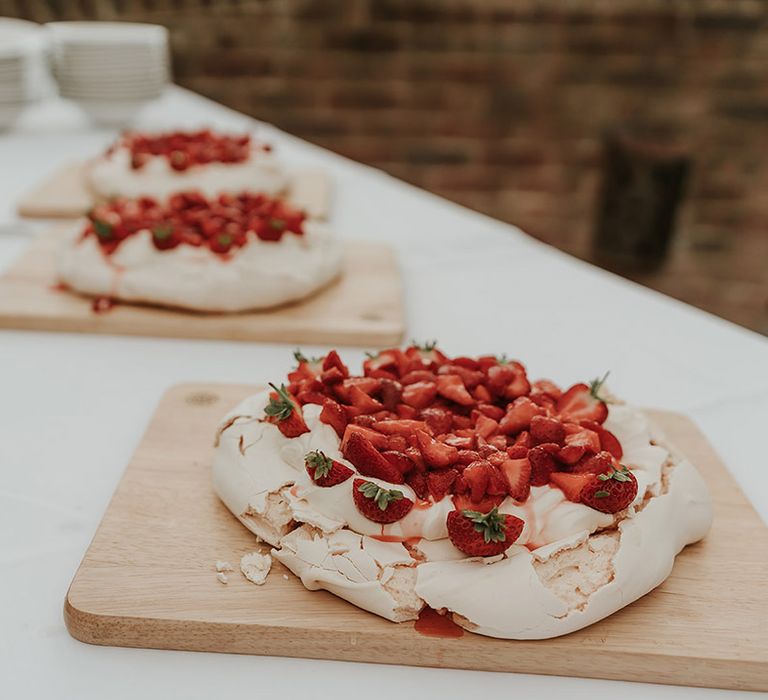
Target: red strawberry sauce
{"points": [[432, 624]]}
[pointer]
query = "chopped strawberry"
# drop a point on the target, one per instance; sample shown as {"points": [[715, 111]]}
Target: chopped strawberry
{"points": [[585, 438], [459, 422], [570, 454], [391, 392], [284, 411], [548, 388], [436, 454], [378, 440], [386, 360], [543, 463], [399, 460], [457, 441], [335, 416], [368, 385], [440, 482], [517, 451], [428, 354], [608, 441], [398, 443], [439, 420], [420, 394], [325, 471], [476, 478], [418, 482], [466, 457], [519, 415], [491, 411], [518, 475], [331, 360], [594, 464], [483, 534], [368, 460], [481, 394], [406, 412], [401, 426], [332, 376], [416, 376], [417, 458], [610, 492], [452, 388], [485, 426], [462, 499], [571, 484], [508, 380], [466, 362], [545, 429], [524, 438], [379, 504], [582, 402], [362, 401], [470, 378]]}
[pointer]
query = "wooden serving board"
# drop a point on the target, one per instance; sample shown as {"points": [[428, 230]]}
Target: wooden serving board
{"points": [[363, 307], [65, 194], [148, 580]]}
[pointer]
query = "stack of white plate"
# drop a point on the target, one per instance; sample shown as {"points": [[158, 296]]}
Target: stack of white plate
{"points": [[111, 69], [23, 67]]}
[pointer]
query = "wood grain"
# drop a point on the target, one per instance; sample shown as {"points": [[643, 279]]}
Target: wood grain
{"points": [[364, 307], [65, 194], [148, 580]]}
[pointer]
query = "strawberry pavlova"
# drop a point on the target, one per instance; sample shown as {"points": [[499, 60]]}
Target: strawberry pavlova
{"points": [[231, 252], [159, 164], [519, 509]]}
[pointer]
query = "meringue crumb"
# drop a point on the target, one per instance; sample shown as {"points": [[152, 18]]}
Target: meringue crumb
{"points": [[222, 577], [255, 567], [224, 566]]}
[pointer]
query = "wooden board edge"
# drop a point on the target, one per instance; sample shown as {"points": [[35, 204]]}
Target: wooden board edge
{"points": [[337, 645]]}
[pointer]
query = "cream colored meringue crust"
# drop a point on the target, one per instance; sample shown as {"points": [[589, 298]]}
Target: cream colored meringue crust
{"points": [[570, 567], [111, 176], [260, 275]]}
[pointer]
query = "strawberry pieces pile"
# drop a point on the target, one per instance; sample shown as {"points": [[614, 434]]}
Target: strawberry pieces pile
{"points": [[222, 223], [183, 149], [477, 430]]}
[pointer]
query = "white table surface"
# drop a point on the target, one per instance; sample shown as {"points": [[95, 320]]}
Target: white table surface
{"points": [[74, 407]]}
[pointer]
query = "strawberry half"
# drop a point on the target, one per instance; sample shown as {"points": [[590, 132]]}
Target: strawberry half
{"points": [[518, 475], [483, 534], [582, 402], [378, 504], [284, 412], [334, 415], [368, 460], [325, 471], [610, 492]]}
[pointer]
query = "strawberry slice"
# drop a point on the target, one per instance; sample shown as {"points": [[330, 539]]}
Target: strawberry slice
{"points": [[284, 411], [485, 426], [360, 400], [325, 471], [519, 415], [406, 412], [582, 402], [368, 460], [418, 482], [546, 429], [594, 464], [379, 441], [476, 478], [571, 484], [452, 388], [332, 360], [436, 454], [420, 394], [542, 458], [379, 504], [400, 426], [608, 441], [399, 460], [610, 492], [439, 483], [518, 475], [439, 420], [483, 534], [463, 500]]}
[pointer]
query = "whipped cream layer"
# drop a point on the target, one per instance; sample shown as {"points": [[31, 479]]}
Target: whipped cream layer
{"points": [[259, 275], [260, 476], [111, 175]]}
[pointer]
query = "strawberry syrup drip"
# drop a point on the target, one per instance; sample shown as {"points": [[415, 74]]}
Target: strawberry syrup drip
{"points": [[432, 624], [407, 541], [59, 287], [102, 305]]}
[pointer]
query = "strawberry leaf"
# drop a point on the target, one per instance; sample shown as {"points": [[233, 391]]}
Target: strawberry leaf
{"points": [[596, 385], [490, 525], [382, 497], [320, 462], [280, 407]]}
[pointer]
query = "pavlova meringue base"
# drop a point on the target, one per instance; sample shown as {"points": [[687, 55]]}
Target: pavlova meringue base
{"points": [[578, 566], [260, 275], [111, 176]]}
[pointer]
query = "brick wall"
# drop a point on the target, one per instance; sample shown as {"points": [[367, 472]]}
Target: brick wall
{"points": [[502, 105]]}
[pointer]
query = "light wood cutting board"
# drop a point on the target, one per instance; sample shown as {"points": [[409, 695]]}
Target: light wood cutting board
{"points": [[364, 307], [65, 194], [148, 580]]}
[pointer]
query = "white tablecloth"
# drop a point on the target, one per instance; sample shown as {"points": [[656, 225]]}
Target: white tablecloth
{"points": [[74, 407]]}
